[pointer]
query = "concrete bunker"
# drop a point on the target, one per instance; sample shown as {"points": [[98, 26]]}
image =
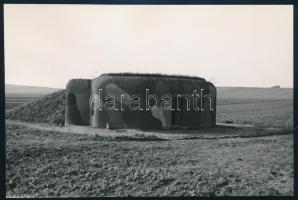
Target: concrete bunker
{"points": [[141, 101]]}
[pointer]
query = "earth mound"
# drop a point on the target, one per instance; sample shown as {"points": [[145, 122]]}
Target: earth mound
{"points": [[48, 109]]}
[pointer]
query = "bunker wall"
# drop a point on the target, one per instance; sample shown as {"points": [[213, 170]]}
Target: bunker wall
{"points": [[77, 111], [156, 118]]}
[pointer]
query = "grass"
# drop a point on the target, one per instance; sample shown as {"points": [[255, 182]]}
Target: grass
{"points": [[14, 101], [262, 113], [43, 163], [49, 108], [50, 164], [153, 75]]}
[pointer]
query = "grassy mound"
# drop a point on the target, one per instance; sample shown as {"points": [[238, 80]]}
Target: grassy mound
{"points": [[48, 109]]}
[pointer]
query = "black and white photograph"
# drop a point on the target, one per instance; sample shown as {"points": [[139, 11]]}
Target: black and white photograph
{"points": [[148, 100]]}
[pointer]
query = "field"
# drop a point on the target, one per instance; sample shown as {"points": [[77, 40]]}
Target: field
{"points": [[14, 101], [45, 160], [16, 95], [261, 113]]}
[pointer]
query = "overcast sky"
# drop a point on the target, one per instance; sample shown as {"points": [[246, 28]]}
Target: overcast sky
{"points": [[46, 45]]}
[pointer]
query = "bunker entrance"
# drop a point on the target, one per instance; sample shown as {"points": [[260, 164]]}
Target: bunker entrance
{"points": [[179, 106]]}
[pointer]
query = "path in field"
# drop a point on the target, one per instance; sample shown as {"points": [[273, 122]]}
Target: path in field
{"points": [[221, 131]]}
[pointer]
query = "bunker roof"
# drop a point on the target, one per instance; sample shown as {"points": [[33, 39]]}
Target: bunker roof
{"points": [[154, 75]]}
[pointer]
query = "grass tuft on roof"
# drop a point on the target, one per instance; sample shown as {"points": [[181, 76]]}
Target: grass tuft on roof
{"points": [[154, 75]]}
